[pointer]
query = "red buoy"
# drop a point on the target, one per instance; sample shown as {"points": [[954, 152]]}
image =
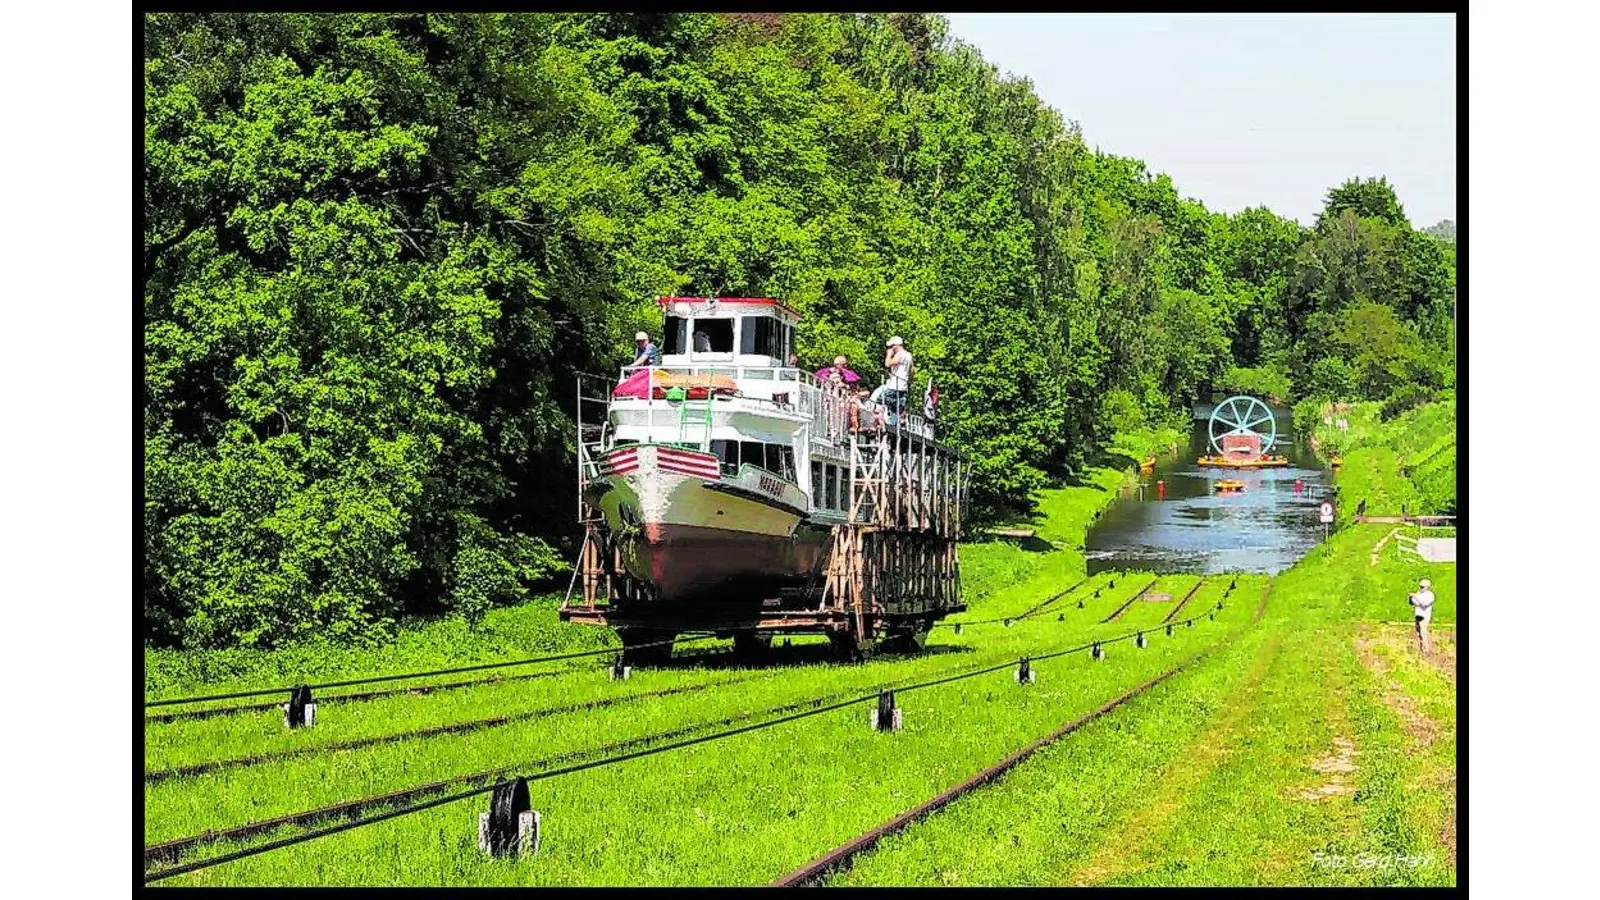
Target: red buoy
{"points": [[1161, 490], [1298, 486]]}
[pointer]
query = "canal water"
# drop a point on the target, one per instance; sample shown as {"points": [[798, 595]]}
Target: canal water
{"points": [[1266, 527]]}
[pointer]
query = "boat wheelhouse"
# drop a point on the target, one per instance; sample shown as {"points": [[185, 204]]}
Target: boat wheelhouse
{"points": [[716, 490]]}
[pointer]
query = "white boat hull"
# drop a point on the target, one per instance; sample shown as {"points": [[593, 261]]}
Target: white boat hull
{"points": [[692, 533]]}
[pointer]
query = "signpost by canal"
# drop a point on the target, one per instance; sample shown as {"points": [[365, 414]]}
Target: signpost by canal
{"points": [[1326, 512]]}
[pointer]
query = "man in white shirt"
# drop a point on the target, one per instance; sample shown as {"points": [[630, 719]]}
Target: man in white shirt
{"points": [[1422, 606], [892, 393]]}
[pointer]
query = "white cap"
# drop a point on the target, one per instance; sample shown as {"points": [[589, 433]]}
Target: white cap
{"points": [[1425, 584], [641, 336], [894, 340]]}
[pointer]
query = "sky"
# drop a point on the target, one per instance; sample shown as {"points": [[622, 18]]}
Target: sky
{"points": [[1250, 110]]}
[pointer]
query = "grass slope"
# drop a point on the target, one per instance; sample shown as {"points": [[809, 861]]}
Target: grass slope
{"points": [[1408, 463]]}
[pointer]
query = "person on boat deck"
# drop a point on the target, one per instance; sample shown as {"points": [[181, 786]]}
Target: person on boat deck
{"points": [[892, 393], [841, 368], [649, 353]]}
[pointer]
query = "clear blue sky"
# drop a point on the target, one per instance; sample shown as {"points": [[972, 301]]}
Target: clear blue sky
{"points": [[1249, 110]]}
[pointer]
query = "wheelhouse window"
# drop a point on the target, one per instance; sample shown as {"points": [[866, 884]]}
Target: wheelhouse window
{"points": [[672, 335], [785, 461], [831, 494], [775, 458], [816, 483], [712, 336], [727, 453], [764, 336]]}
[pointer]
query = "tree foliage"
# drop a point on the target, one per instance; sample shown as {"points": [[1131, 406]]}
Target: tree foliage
{"points": [[378, 248]]}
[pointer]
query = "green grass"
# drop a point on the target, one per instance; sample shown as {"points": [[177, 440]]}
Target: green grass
{"points": [[1214, 778], [529, 629], [755, 824]]}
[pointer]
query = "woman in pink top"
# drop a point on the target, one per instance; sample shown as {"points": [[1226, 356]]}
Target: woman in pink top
{"points": [[841, 366]]}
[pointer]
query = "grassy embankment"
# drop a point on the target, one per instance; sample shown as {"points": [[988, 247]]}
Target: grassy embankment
{"points": [[1407, 463]]}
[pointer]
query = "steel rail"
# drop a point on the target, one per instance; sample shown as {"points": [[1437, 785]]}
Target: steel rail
{"points": [[1030, 611], [1124, 607], [156, 776], [172, 849], [706, 653], [375, 679], [1185, 601]]}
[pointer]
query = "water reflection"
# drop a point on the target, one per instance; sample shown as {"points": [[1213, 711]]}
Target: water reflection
{"points": [[1187, 527]]}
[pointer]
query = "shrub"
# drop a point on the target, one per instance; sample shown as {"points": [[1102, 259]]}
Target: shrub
{"points": [[1405, 398]]}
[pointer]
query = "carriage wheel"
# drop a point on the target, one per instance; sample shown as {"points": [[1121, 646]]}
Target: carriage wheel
{"points": [[637, 655], [907, 639], [750, 646], [845, 646]]}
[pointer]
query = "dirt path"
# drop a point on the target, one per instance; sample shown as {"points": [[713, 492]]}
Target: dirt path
{"points": [[1390, 654], [1122, 851]]}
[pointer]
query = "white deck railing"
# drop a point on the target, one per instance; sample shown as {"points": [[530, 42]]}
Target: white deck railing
{"points": [[790, 389]]}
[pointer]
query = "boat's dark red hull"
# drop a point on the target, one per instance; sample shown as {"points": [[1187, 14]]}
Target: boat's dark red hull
{"points": [[694, 562]]}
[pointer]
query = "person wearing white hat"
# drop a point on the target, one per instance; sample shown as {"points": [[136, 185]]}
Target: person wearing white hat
{"points": [[892, 393], [1422, 606], [649, 353]]}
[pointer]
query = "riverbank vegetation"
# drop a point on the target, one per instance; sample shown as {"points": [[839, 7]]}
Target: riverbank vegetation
{"points": [[1405, 464], [379, 247]]}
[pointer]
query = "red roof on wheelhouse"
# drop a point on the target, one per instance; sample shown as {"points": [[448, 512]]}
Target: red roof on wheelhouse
{"points": [[753, 301]]}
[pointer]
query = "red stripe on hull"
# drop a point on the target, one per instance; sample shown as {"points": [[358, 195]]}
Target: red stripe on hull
{"points": [[696, 473], [701, 465]]}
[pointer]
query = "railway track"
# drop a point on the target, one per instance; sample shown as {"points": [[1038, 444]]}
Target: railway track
{"points": [[1040, 606], [347, 698], [159, 775], [816, 871], [1030, 611], [211, 712], [368, 810], [1130, 601], [1185, 601], [170, 851]]}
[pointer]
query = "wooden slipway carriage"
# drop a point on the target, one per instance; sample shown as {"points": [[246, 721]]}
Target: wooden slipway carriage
{"points": [[725, 492]]}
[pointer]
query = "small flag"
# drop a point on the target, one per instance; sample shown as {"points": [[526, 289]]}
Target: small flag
{"points": [[930, 401]]}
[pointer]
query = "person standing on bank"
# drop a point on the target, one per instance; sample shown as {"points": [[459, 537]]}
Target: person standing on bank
{"points": [[649, 353], [1422, 606]]}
